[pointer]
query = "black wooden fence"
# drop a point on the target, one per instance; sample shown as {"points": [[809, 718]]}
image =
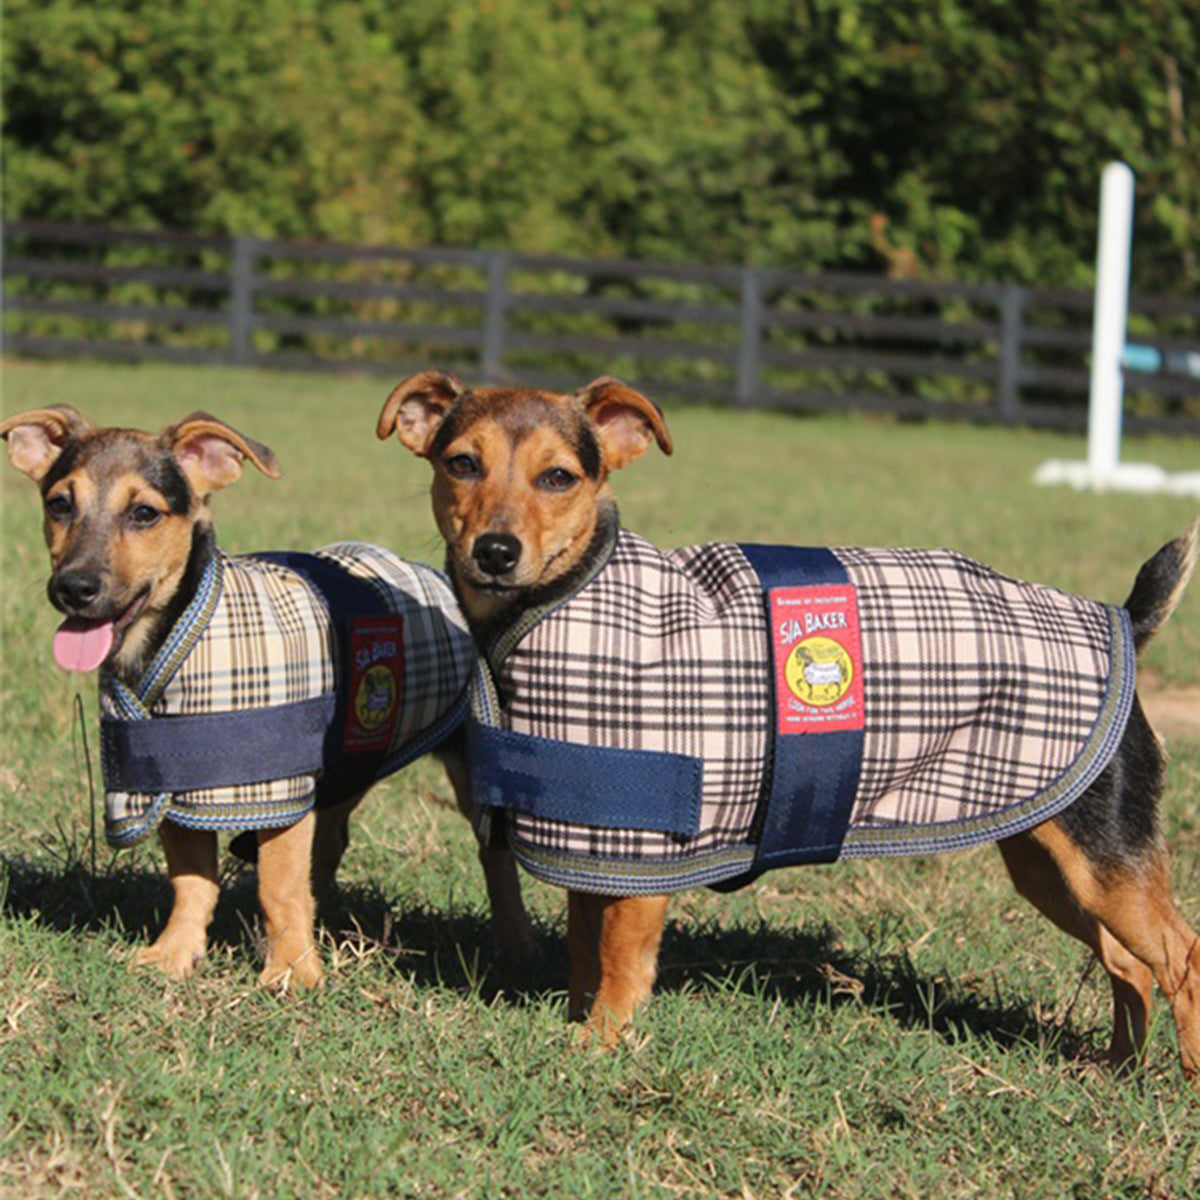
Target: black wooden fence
{"points": [[749, 336]]}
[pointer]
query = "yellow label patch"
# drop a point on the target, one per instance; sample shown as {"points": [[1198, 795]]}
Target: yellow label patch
{"points": [[819, 671]]}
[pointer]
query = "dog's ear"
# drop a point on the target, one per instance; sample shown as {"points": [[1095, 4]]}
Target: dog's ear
{"points": [[210, 453], [625, 421], [417, 407], [36, 438]]}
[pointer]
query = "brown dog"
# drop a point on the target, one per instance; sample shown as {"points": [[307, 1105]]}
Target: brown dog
{"points": [[136, 572], [522, 498]]}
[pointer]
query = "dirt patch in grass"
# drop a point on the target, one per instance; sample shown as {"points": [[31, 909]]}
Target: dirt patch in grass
{"points": [[1173, 711]]}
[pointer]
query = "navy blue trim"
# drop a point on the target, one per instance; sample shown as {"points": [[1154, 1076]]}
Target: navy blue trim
{"points": [[183, 754], [600, 786], [813, 777], [342, 591]]}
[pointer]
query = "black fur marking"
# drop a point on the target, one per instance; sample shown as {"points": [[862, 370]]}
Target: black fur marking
{"points": [[62, 466], [519, 420], [166, 476], [160, 471], [1116, 819], [1155, 589], [588, 450], [446, 433]]}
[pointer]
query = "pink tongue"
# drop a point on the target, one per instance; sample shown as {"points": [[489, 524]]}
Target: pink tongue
{"points": [[82, 645]]}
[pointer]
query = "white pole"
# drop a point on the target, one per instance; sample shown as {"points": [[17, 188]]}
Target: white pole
{"points": [[1108, 324]]}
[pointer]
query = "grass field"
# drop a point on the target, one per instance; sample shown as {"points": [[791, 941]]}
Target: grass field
{"points": [[870, 1030]]}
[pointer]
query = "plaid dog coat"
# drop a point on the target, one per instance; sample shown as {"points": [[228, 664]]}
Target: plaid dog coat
{"points": [[290, 680], [699, 716]]}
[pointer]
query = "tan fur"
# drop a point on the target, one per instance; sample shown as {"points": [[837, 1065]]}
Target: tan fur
{"points": [[554, 528], [284, 890], [613, 946], [192, 868], [1124, 912]]}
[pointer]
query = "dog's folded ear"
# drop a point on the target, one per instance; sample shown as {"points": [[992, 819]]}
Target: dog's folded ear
{"points": [[417, 407], [625, 420], [210, 453], [36, 438]]}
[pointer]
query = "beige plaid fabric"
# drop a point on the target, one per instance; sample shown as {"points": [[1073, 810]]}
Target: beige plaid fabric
{"points": [[988, 703], [265, 639]]}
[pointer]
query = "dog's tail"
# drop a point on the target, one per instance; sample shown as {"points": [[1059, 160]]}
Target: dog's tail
{"points": [[1160, 583]]}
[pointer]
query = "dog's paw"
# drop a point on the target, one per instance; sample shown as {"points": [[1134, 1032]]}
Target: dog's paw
{"points": [[599, 1033], [587, 1039], [284, 973], [174, 957]]}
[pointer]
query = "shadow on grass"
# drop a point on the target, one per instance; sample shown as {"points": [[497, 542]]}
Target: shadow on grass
{"points": [[453, 950], [131, 903], [812, 966]]}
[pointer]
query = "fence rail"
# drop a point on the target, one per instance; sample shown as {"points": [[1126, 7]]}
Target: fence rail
{"points": [[754, 337]]}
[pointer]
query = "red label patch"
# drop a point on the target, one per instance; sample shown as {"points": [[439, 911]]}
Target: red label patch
{"points": [[376, 682], [818, 658]]}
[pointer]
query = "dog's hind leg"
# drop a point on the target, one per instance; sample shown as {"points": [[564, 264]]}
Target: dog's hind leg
{"points": [[285, 892], [1131, 901], [584, 913], [1036, 875], [192, 869], [1135, 905]]}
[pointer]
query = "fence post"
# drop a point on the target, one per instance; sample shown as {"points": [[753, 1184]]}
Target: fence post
{"points": [[241, 298], [1012, 328], [749, 337], [491, 353]]}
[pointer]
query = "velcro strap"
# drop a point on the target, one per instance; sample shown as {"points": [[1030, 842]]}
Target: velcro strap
{"points": [[180, 754], [600, 786]]}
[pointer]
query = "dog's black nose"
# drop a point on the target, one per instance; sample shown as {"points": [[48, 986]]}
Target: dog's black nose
{"points": [[75, 590], [496, 553]]}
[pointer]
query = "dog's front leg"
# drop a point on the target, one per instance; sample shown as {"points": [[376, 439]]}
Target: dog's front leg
{"points": [[192, 867], [512, 931], [613, 946], [285, 892], [330, 840]]}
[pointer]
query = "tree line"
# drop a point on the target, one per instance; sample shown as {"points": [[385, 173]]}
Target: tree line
{"points": [[956, 139]]}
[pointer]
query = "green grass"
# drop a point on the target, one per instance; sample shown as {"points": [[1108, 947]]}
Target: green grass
{"points": [[875, 1029]]}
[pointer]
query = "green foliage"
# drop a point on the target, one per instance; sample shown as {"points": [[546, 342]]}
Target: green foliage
{"points": [[961, 138], [977, 127]]}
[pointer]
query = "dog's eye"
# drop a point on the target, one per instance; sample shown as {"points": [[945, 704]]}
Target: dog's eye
{"points": [[557, 479], [142, 516], [59, 508], [462, 466]]}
